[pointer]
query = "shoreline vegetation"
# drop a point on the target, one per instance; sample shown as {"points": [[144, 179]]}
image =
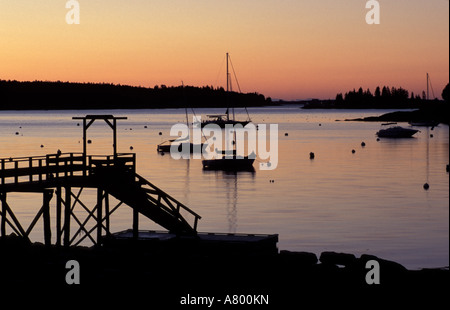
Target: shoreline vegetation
{"points": [[390, 98], [44, 95]]}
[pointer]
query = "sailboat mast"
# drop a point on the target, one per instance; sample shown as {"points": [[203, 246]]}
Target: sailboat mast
{"points": [[228, 74], [185, 108], [428, 91]]}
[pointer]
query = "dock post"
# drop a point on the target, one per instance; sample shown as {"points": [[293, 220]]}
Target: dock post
{"points": [[135, 223], [48, 194], [67, 211], [3, 224], [107, 214], [58, 215], [114, 128], [99, 215]]}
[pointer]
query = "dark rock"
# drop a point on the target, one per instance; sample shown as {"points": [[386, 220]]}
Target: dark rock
{"points": [[384, 264], [333, 258], [302, 258], [391, 273]]}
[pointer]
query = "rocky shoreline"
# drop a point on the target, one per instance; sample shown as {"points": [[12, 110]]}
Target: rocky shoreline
{"points": [[165, 275], [439, 114]]}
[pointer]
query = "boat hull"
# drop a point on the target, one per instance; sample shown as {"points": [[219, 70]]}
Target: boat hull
{"points": [[229, 164], [396, 132], [222, 124], [165, 148]]}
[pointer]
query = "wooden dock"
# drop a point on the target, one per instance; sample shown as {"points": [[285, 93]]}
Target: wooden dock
{"points": [[202, 243], [65, 175]]}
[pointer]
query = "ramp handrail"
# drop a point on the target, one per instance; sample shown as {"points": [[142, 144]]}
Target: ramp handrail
{"points": [[171, 202]]}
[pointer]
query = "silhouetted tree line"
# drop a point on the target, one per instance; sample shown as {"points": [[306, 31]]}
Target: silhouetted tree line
{"points": [[39, 95], [382, 98], [385, 97]]}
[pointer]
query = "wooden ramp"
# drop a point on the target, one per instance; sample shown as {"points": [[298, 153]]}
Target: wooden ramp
{"points": [[113, 175]]}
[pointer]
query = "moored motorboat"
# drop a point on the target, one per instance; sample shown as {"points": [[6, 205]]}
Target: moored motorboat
{"points": [[396, 132]]}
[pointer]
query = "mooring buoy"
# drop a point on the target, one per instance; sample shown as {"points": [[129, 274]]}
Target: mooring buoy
{"points": [[311, 155], [353, 151], [426, 186], [363, 144]]}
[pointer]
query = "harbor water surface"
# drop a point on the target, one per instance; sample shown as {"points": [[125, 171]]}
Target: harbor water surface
{"points": [[369, 201]]}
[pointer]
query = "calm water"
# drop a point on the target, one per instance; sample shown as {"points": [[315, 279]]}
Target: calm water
{"points": [[368, 202]]}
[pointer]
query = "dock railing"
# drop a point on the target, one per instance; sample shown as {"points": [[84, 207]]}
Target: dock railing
{"points": [[61, 165]]}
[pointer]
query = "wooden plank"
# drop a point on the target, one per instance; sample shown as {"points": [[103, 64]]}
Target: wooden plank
{"points": [[33, 223], [58, 215], [16, 222], [99, 214], [3, 211], [67, 212], [46, 217], [135, 224]]}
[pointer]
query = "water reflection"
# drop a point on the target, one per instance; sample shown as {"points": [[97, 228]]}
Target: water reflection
{"points": [[229, 182]]}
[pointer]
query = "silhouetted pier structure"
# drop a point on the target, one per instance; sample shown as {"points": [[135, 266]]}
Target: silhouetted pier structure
{"points": [[65, 175]]}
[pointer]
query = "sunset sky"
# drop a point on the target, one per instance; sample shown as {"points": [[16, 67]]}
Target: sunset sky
{"points": [[287, 49]]}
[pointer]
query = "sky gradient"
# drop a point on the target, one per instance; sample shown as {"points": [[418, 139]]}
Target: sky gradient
{"points": [[288, 49]]}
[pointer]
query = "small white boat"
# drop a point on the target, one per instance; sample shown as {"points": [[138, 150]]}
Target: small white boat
{"points": [[396, 132]]}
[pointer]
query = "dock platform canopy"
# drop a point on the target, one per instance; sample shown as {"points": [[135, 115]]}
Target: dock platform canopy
{"points": [[88, 120]]}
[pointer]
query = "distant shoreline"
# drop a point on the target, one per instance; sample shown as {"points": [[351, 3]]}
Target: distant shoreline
{"points": [[439, 114], [44, 95], [39, 95]]}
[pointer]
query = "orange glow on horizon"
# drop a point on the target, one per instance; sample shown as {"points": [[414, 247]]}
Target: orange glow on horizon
{"points": [[285, 50]]}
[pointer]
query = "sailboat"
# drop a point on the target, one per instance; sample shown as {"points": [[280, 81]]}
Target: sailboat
{"points": [[225, 119], [425, 122], [181, 144]]}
